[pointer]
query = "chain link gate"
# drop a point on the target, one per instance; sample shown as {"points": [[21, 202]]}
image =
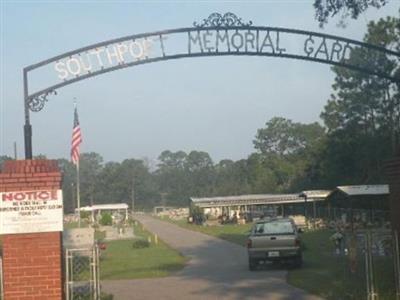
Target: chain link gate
{"points": [[82, 274], [374, 263], [381, 257]]}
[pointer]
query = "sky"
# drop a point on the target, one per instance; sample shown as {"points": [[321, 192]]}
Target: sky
{"points": [[213, 104]]}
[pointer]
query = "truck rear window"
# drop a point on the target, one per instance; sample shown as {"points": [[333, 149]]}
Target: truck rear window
{"points": [[273, 228]]}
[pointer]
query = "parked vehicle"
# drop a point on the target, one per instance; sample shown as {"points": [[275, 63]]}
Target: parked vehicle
{"points": [[274, 239]]}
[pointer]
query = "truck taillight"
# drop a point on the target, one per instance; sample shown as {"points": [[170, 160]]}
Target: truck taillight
{"points": [[297, 242], [248, 243]]}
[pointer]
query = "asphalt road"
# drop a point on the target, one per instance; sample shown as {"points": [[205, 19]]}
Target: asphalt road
{"points": [[217, 270]]}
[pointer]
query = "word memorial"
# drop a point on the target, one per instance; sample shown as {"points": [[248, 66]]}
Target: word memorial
{"points": [[263, 42]]}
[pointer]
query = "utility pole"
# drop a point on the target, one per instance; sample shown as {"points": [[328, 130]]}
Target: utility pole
{"points": [[163, 200], [15, 150], [133, 193]]}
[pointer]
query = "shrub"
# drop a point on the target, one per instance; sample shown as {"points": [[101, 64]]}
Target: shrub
{"points": [[105, 296], [140, 243], [106, 219], [85, 215]]}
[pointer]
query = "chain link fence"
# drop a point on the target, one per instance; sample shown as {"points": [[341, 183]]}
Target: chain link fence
{"points": [[370, 261], [82, 274], [318, 214]]}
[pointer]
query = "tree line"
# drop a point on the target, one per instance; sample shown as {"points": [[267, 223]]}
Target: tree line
{"points": [[360, 130]]}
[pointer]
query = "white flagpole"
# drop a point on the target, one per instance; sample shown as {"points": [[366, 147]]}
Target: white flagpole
{"points": [[78, 197]]}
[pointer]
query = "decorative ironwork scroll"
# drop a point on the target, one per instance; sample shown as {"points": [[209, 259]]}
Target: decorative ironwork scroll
{"points": [[37, 103], [217, 20]]}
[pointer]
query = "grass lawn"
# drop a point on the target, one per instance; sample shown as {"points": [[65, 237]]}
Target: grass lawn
{"points": [[233, 233], [329, 275], [72, 225], [323, 272], [121, 261]]}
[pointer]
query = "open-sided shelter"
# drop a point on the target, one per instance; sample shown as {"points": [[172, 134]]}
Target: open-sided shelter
{"points": [[258, 204], [361, 203], [98, 208]]}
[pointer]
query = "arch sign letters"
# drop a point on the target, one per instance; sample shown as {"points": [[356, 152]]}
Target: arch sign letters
{"points": [[218, 35]]}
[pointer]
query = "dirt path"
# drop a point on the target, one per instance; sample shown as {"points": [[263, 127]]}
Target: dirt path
{"points": [[217, 270]]}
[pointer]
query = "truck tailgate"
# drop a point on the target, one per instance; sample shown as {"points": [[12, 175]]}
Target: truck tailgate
{"points": [[270, 242]]}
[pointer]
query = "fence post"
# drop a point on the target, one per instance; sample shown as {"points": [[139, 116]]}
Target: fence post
{"points": [[94, 268], [369, 268], [98, 271], [66, 275], [396, 263]]}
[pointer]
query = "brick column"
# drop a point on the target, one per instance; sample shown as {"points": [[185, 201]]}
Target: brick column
{"points": [[32, 262], [393, 175]]}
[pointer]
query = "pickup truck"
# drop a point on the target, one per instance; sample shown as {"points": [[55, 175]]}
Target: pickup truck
{"points": [[276, 240]]}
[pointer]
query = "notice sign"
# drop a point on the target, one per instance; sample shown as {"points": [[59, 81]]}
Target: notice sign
{"points": [[31, 211]]}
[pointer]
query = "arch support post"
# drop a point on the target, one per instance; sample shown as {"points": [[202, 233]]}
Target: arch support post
{"points": [[28, 140], [27, 126]]}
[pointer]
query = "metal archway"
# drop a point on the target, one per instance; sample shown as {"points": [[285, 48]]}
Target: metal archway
{"points": [[218, 35]]}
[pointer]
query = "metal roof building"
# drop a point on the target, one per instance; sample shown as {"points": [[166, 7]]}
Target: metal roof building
{"points": [[246, 200], [361, 196], [260, 204], [368, 201], [309, 196], [260, 199], [364, 190], [316, 195]]}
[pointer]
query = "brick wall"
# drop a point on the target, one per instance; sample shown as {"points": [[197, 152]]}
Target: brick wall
{"points": [[32, 263], [393, 175]]}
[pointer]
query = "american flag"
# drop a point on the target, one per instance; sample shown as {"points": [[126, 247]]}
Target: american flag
{"points": [[76, 139]]}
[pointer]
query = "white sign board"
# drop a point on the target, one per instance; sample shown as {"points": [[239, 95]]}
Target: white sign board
{"points": [[77, 238], [31, 211]]}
